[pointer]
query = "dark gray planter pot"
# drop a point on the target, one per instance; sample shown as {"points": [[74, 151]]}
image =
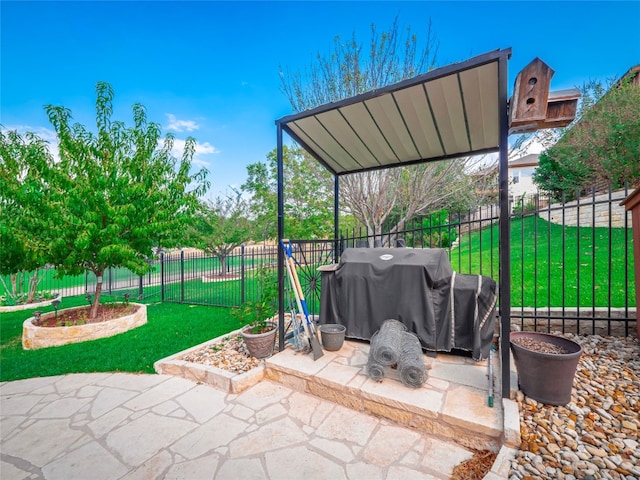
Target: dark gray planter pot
{"points": [[332, 336], [546, 377], [260, 345]]}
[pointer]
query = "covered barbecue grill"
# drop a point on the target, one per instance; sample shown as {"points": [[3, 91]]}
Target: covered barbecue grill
{"points": [[415, 286]]}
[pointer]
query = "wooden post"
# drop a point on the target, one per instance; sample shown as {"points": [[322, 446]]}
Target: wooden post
{"points": [[632, 203]]}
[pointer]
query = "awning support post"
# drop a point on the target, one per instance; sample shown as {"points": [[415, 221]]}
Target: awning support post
{"points": [[280, 237], [505, 220], [336, 217]]}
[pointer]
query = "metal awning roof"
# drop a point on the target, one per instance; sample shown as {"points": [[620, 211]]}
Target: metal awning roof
{"points": [[450, 112]]}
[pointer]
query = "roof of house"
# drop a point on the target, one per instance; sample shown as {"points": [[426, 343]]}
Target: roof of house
{"points": [[530, 160]]}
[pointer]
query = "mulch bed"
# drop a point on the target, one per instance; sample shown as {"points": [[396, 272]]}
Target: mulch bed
{"points": [[79, 315], [476, 467]]}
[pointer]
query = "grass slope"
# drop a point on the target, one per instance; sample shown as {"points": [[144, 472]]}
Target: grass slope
{"points": [[552, 265]]}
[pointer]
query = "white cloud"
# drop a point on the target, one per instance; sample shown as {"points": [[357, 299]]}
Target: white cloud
{"points": [[201, 149], [181, 125]]}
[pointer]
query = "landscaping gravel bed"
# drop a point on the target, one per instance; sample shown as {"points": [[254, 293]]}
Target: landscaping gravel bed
{"points": [[230, 354], [595, 436]]}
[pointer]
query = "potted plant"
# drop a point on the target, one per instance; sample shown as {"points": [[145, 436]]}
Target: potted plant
{"points": [[260, 332], [546, 365]]}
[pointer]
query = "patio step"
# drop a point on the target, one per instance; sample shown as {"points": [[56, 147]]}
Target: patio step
{"points": [[452, 404]]}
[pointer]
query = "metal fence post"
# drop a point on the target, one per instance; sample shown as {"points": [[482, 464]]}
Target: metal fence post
{"points": [[182, 276], [242, 277], [140, 288], [162, 276]]}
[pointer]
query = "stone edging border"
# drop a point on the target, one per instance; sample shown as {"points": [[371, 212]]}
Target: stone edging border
{"points": [[35, 337], [208, 374], [27, 306]]}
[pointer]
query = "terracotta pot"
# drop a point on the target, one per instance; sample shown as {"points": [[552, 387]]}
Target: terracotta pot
{"points": [[260, 345], [546, 377]]}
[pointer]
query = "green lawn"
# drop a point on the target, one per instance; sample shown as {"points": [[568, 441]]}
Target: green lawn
{"points": [[555, 266], [170, 328]]}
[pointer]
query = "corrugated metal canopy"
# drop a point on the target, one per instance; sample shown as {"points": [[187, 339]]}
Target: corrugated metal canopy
{"points": [[450, 112]]}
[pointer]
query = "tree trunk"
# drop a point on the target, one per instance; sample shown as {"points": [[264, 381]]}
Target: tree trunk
{"points": [[14, 284], [223, 264], [33, 286], [93, 313]]}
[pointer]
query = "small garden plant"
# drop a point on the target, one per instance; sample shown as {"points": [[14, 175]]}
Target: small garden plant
{"points": [[256, 313]]}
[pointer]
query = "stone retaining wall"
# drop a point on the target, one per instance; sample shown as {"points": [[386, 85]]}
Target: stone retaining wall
{"points": [[608, 213]]}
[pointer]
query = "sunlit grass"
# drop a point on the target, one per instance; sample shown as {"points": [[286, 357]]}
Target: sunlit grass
{"points": [[170, 328], [552, 265]]}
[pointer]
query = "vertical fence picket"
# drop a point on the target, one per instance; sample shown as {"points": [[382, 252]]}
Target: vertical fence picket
{"points": [[564, 262], [242, 275]]}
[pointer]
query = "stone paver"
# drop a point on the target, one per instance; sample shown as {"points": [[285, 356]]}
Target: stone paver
{"points": [[452, 403], [124, 426]]}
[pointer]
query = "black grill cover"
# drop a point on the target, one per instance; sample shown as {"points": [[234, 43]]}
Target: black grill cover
{"points": [[414, 286], [469, 320]]}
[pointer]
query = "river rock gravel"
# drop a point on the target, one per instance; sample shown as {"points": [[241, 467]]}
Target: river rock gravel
{"points": [[594, 436], [230, 354]]}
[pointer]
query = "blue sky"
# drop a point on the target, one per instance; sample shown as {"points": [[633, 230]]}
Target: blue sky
{"points": [[210, 69]]}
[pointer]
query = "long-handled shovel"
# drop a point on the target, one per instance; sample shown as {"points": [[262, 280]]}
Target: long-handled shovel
{"points": [[316, 348], [304, 327], [298, 333]]}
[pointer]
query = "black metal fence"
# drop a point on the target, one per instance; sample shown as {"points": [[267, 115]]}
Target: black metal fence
{"points": [[571, 263], [572, 266]]}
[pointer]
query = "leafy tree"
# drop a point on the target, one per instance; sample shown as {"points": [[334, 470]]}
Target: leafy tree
{"points": [[350, 69], [601, 147], [308, 196], [115, 195], [21, 216], [346, 71], [221, 226]]}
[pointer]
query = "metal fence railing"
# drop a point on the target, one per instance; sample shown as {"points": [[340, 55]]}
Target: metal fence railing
{"points": [[572, 266]]}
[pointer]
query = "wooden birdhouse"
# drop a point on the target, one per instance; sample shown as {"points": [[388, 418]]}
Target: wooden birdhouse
{"points": [[530, 93], [534, 107]]}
